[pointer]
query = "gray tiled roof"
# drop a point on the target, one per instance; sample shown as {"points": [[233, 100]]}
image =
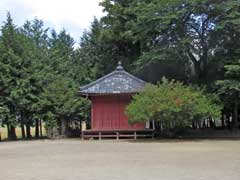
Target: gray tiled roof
{"points": [[118, 81]]}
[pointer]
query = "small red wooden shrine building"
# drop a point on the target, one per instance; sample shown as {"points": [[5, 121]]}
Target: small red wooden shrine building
{"points": [[110, 95]]}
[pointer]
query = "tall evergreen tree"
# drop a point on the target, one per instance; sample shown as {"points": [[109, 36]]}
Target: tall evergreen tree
{"points": [[38, 36], [230, 90], [16, 61]]}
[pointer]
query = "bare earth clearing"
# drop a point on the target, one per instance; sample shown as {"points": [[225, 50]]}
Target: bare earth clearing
{"points": [[115, 160]]}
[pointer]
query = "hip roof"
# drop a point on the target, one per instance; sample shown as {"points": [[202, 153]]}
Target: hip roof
{"points": [[117, 82]]}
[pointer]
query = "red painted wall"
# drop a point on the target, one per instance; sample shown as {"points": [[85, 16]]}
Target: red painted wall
{"points": [[108, 113]]}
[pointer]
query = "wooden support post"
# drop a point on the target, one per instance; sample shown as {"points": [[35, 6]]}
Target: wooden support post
{"points": [[99, 136], [135, 135], [117, 135]]}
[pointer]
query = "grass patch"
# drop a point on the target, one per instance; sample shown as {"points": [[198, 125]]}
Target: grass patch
{"points": [[3, 131]]}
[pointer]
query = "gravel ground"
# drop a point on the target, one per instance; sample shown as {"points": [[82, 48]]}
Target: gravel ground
{"points": [[115, 160]]}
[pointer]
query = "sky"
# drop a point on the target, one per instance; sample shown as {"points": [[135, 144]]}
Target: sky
{"points": [[74, 16]]}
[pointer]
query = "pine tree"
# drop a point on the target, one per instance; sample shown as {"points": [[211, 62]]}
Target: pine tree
{"points": [[11, 61]]}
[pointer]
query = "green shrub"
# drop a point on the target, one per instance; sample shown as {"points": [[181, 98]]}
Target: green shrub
{"points": [[173, 104]]}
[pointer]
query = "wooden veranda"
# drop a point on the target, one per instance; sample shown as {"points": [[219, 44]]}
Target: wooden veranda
{"points": [[117, 134]]}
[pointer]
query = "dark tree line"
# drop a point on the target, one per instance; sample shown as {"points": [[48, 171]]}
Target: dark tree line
{"points": [[195, 41]]}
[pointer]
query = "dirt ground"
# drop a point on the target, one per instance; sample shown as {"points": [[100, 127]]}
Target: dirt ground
{"points": [[120, 160]]}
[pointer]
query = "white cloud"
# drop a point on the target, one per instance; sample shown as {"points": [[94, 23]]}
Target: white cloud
{"points": [[73, 15]]}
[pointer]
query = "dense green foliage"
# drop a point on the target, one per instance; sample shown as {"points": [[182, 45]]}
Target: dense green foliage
{"points": [[39, 77], [191, 41], [229, 89], [153, 37], [189, 31], [173, 104]]}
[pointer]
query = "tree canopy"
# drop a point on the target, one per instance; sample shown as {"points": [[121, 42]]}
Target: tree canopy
{"points": [[194, 41], [39, 77]]}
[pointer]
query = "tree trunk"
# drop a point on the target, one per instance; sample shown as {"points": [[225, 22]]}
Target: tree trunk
{"points": [[37, 128], [23, 130], [235, 114], [28, 129], [8, 131], [198, 71], [194, 124], [80, 126], [204, 60], [40, 123], [22, 126], [12, 133], [63, 127], [223, 120]]}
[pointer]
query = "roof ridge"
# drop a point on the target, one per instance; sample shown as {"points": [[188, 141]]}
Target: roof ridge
{"points": [[109, 74]]}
